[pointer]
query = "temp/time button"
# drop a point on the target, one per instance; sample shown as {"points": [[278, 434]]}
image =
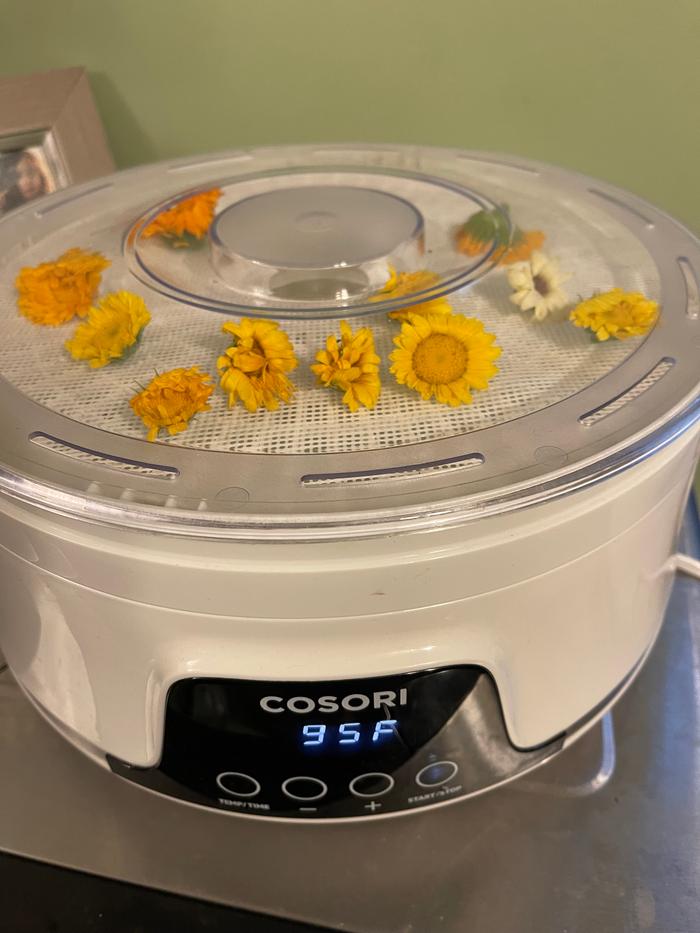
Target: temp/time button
{"points": [[440, 772], [304, 788], [372, 784], [237, 784]]}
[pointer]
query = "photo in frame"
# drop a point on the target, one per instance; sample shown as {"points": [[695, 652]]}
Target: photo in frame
{"points": [[51, 135]]}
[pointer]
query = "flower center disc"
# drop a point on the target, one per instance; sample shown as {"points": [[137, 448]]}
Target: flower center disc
{"points": [[440, 359], [541, 285]]}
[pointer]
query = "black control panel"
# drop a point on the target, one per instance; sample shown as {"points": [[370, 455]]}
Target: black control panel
{"points": [[310, 750]]}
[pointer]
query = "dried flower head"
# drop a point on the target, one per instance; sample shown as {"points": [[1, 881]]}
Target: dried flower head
{"points": [[172, 399], [537, 285], [53, 293], [488, 228], [351, 365], [253, 369], [616, 314], [111, 328], [187, 220], [444, 357], [401, 284]]}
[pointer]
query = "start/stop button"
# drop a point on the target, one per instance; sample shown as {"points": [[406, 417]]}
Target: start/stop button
{"points": [[433, 775]]}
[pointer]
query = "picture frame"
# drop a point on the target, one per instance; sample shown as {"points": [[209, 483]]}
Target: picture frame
{"points": [[51, 135]]}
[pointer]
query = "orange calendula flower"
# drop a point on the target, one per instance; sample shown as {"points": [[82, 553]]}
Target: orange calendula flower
{"points": [[253, 369], [470, 245], [616, 314], [172, 399], [187, 220], [492, 227], [523, 244], [351, 365], [52, 293], [481, 230], [401, 284]]}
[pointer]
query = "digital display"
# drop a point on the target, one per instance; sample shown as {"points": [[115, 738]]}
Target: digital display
{"points": [[356, 734], [306, 749], [333, 749]]}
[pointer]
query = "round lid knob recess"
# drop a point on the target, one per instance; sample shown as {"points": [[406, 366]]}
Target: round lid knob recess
{"points": [[319, 227]]}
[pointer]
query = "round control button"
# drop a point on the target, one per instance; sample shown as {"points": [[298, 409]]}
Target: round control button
{"points": [[304, 788], [440, 772], [237, 784], [372, 784]]}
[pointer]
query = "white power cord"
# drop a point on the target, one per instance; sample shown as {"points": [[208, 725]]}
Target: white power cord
{"points": [[688, 565]]}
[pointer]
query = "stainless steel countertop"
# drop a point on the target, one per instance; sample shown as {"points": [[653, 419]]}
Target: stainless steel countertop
{"points": [[605, 838]]}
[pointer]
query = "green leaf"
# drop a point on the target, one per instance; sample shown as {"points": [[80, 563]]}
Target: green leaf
{"points": [[489, 226]]}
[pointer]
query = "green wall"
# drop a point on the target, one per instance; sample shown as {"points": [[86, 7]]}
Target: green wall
{"points": [[609, 87]]}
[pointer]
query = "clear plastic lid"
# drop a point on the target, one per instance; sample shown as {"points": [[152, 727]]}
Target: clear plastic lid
{"points": [[305, 238]]}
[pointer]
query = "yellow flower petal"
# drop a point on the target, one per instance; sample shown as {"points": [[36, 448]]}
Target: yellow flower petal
{"points": [[401, 284]]}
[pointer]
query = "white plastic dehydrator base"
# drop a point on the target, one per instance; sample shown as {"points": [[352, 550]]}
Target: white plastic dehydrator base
{"points": [[557, 602]]}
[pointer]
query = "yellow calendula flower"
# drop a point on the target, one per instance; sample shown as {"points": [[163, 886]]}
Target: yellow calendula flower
{"points": [[351, 365], [401, 284], [406, 283], [617, 314], [52, 293], [253, 369], [172, 399], [444, 357], [190, 217], [111, 328]]}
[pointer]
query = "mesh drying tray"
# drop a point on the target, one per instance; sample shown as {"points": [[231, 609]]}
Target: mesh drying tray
{"points": [[307, 235]]}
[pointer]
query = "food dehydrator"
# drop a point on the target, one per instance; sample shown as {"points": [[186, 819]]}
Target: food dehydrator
{"points": [[318, 613]]}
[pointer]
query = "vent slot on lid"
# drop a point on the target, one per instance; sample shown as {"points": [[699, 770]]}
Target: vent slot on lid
{"points": [[488, 160], [355, 151], [692, 288], [639, 388], [412, 471], [624, 205], [42, 212], [109, 461], [215, 160]]}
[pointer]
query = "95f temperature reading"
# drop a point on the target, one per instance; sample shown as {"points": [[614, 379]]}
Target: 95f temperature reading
{"points": [[348, 733]]}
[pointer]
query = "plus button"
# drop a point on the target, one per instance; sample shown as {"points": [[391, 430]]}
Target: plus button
{"points": [[372, 806]]}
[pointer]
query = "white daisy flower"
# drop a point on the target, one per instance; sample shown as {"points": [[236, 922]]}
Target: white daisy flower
{"points": [[537, 285]]}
